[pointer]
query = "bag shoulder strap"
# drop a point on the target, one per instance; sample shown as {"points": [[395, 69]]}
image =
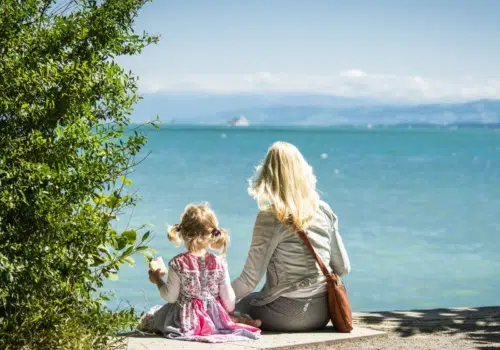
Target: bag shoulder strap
{"points": [[320, 262]]}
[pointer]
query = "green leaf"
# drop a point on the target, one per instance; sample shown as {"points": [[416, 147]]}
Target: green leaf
{"points": [[102, 248], [130, 235], [112, 233], [129, 260], [112, 276], [99, 199], [112, 201], [128, 251], [121, 242], [145, 236], [148, 255], [114, 243], [105, 298], [98, 261], [126, 181]]}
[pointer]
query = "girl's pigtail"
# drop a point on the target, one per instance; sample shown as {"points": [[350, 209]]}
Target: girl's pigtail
{"points": [[221, 240], [174, 234]]}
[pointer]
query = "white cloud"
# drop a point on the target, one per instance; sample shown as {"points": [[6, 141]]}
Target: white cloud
{"points": [[353, 73], [350, 83]]}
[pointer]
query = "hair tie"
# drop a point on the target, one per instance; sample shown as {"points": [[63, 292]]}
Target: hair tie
{"points": [[216, 232]]}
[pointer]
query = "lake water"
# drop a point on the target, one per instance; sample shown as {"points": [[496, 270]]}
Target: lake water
{"points": [[419, 209]]}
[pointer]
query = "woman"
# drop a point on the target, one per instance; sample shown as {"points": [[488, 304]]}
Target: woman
{"points": [[294, 296]]}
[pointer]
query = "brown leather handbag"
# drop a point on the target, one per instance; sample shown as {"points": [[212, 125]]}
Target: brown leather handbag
{"points": [[338, 302]]}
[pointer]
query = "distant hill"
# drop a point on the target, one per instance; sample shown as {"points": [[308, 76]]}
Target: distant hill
{"points": [[199, 107], [297, 109], [484, 111]]}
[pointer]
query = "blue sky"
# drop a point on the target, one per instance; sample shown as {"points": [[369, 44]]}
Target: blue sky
{"points": [[402, 49]]}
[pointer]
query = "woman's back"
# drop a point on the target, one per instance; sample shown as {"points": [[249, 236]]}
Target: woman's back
{"points": [[279, 251], [321, 233]]}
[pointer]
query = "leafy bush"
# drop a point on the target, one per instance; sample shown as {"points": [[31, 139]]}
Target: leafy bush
{"points": [[65, 153]]}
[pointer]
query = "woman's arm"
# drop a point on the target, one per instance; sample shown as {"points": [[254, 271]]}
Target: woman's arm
{"points": [[339, 260], [168, 291], [264, 242]]}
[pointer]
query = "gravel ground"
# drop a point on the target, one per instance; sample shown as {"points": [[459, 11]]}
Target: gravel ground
{"points": [[438, 340], [460, 328], [464, 328]]}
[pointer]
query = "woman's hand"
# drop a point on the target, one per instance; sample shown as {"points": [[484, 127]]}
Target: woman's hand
{"points": [[155, 277], [238, 317]]}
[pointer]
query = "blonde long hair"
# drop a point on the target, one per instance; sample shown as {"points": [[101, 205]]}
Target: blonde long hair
{"points": [[199, 229], [284, 183]]}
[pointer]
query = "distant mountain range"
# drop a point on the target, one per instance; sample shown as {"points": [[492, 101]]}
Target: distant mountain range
{"points": [[308, 109]]}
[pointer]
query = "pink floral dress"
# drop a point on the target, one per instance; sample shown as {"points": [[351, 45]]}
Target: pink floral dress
{"points": [[198, 314]]}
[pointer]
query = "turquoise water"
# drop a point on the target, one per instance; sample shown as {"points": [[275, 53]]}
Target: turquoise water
{"points": [[419, 209]]}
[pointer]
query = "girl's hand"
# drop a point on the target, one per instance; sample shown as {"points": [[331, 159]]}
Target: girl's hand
{"points": [[155, 276]]}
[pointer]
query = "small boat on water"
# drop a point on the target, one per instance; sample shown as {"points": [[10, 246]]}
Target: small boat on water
{"points": [[240, 121]]}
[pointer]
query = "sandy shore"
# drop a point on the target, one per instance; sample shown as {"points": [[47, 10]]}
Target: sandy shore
{"points": [[464, 328]]}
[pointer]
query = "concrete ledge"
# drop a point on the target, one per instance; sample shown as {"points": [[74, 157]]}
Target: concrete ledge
{"points": [[309, 340], [476, 327]]}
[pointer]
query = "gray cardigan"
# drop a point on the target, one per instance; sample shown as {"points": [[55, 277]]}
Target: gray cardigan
{"points": [[289, 266]]}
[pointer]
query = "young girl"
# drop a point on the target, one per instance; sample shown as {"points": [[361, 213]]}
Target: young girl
{"points": [[198, 290]]}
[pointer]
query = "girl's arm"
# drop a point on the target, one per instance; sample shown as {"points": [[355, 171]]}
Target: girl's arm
{"points": [[226, 292], [168, 291]]}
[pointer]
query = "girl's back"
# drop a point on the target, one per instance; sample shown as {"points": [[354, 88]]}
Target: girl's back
{"points": [[200, 276]]}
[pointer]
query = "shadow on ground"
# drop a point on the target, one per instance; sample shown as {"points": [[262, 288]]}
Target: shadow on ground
{"points": [[481, 325]]}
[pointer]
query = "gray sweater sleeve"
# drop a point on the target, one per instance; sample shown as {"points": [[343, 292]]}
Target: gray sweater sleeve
{"points": [[170, 291], [264, 242], [339, 260]]}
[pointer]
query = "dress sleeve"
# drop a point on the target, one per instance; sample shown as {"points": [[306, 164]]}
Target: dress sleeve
{"points": [[226, 291], [264, 242], [339, 260], [170, 290]]}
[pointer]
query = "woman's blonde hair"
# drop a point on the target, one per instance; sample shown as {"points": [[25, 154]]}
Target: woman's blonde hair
{"points": [[285, 184], [199, 229]]}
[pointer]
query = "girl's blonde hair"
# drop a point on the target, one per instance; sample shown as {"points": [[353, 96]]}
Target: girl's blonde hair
{"points": [[199, 229], [285, 184]]}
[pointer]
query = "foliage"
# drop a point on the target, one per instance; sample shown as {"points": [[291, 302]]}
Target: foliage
{"points": [[65, 150]]}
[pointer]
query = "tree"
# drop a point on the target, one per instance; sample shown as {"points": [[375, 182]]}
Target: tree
{"points": [[66, 148]]}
